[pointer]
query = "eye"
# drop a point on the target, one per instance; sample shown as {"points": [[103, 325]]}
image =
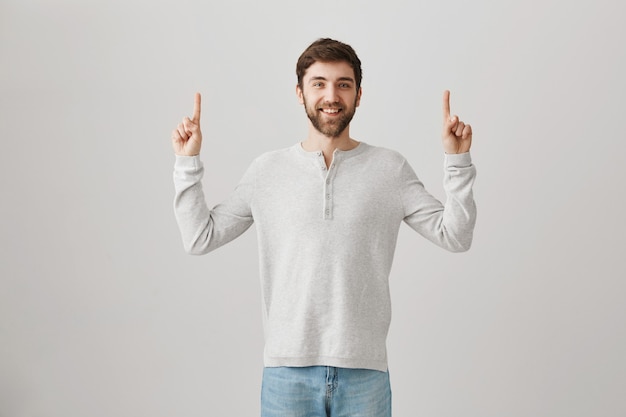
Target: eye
{"points": [[318, 84], [345, 85]]}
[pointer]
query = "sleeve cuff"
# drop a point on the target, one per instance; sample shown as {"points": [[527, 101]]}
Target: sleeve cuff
{"points": [[458, 160], [188, 162]]}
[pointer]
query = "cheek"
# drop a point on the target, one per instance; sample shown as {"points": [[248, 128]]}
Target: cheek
{"points": [[310, 101], [357, 99], [350, 99]]}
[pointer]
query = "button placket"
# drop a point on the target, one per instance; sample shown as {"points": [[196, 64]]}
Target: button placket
{"points": [[328, 189], [328, 198], [322, 163]]}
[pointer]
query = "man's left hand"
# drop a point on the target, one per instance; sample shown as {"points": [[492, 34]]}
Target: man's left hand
{"points": [[456, 135]]}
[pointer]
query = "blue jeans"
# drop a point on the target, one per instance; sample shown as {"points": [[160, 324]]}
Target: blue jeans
{"points": [[325, 391]]}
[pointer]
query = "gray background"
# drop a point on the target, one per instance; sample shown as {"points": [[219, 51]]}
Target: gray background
{"points": [[103, 314]]}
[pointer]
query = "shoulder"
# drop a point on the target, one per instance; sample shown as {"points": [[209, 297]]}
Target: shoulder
{"points": [[385, 156], [273, 156], [275, 162]]}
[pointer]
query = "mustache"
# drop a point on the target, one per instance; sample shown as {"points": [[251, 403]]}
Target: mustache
{"points": [[330, 106]]}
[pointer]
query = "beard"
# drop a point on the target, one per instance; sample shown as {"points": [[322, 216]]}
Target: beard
{"points": [[333, 127]]}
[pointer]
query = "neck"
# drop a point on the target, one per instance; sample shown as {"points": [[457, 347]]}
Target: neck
{"points": [[316, 141]]}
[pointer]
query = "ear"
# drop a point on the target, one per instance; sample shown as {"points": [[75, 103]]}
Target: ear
{"points": [[299, 94], [358, 97]]}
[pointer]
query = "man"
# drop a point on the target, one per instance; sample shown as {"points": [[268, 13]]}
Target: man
{"points": [[327, 213]]}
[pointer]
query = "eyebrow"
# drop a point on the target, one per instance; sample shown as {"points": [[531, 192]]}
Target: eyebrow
{"points": [[318, 78]]}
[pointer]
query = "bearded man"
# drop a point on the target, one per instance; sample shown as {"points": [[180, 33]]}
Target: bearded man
{"points": [[327, 212]]}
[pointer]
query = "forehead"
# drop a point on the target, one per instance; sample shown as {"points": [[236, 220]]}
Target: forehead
{"points": [[329, 70]]}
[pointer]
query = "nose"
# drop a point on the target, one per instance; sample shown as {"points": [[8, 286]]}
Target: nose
{"points": [[330, 94]]}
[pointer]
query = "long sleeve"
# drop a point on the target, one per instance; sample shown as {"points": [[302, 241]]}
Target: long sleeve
{"points": [[448, 225], [203, 230]]}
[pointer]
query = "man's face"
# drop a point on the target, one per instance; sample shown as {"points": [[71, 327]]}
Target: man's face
{"points": [[329, 96]]}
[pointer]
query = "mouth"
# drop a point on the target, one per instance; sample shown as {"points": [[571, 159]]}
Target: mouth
{"points": [[330, 111]]}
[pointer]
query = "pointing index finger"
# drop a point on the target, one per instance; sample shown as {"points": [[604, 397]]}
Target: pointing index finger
{"points": [[196, 108], [446, 105]]}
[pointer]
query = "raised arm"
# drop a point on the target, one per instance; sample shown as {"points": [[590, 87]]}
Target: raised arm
{"points": [[450, 224], [203, 229]]}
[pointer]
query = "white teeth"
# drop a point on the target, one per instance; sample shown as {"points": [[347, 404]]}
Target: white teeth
{"points": [[330, 110]]}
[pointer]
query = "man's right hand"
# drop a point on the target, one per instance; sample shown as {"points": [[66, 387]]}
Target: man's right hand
{"points": [[187, 137]]}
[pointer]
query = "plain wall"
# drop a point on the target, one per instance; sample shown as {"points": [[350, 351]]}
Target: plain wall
{"points": [[103, 314]]}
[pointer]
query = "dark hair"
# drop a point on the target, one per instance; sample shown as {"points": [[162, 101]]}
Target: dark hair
{"points": [[329, 50]]}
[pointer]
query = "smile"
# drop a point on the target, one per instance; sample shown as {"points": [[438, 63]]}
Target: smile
{"points": [[330, 111]]}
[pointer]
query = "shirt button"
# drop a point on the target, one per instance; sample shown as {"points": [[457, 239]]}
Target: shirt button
{"points": [[327, 196], [323, 168]]}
